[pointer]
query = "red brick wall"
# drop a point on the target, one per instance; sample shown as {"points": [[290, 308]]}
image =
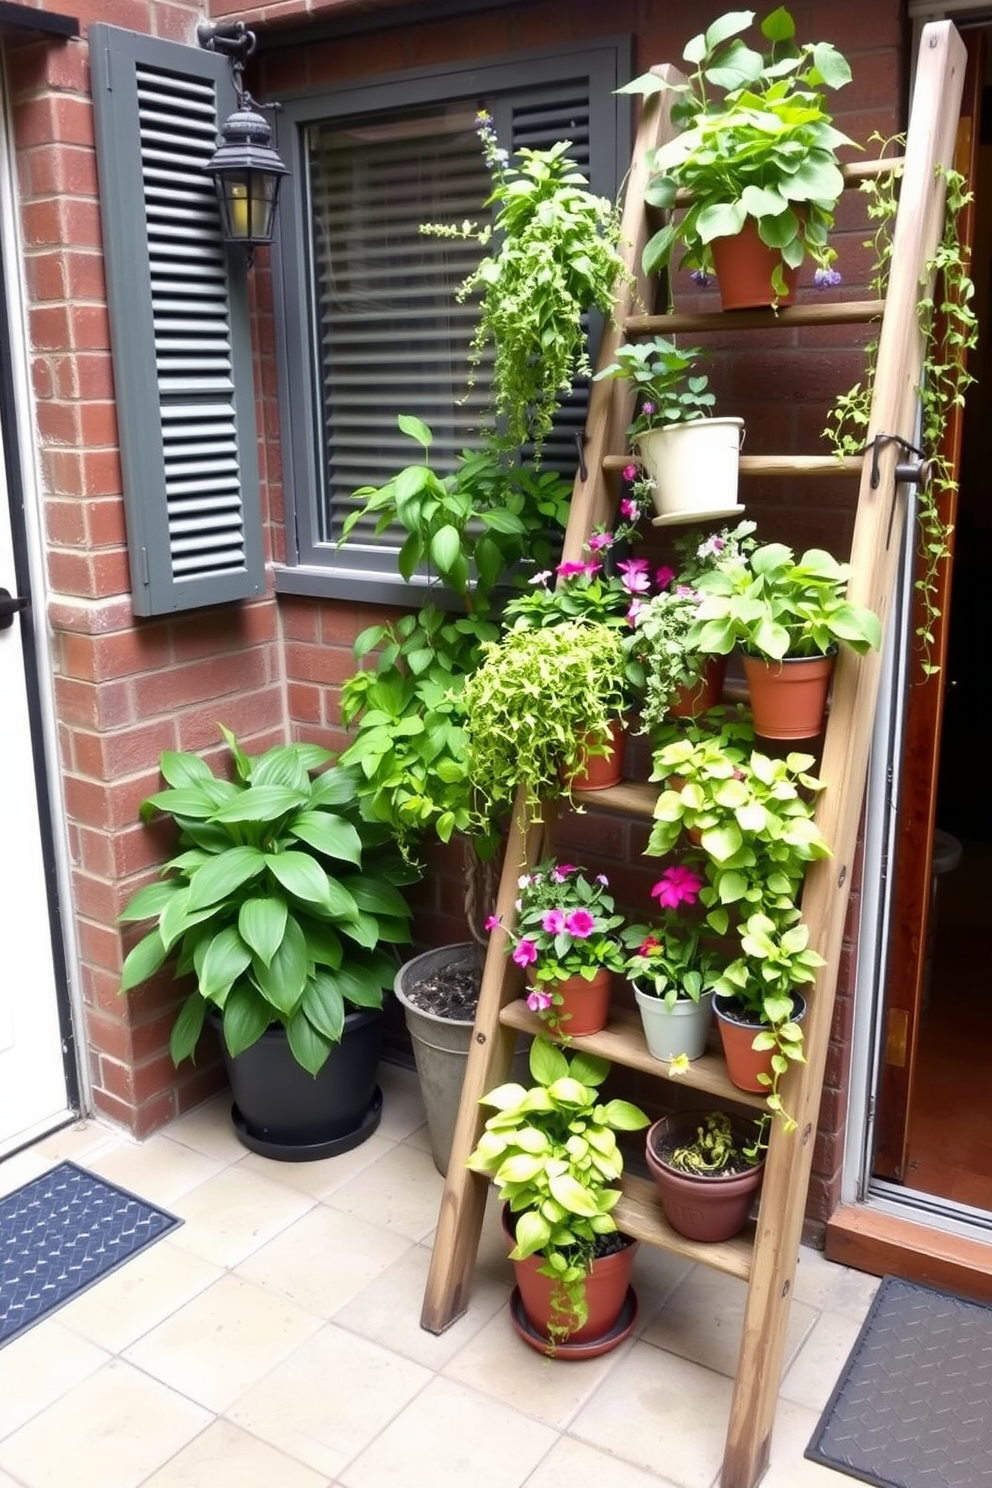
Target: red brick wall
{"points": [[125, 689]]}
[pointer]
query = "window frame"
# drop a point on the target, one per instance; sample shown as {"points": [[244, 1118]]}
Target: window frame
{"points": [[313, 566]]}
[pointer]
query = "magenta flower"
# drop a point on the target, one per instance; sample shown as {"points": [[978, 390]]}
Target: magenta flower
{"points": [[562, 871], [664, 576], [600, 540], [553, 922], [634, 575], [525, 953], [491, 922], [538, 1001], [634, 609], [629, 474], [571, 569], [628, 507], [580, 924], [677, 885]]}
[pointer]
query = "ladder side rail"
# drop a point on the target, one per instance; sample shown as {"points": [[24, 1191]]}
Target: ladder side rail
{"points": [[874, 560], [463, 1201]]}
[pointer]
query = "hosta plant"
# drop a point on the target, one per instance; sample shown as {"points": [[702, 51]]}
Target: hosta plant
{"points": [[553, 1155], [281, 903]]}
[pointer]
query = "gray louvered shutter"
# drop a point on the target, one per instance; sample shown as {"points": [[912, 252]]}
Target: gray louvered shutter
{"points": [[179, 326]]}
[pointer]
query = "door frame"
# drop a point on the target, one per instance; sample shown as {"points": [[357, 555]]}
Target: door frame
{"points": [[27, 531]]}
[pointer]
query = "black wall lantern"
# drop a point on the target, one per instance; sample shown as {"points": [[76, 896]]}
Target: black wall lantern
{"points": [[246, 169]]}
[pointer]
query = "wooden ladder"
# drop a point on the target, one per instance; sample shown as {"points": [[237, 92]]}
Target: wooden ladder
{"points": [[765, 1255]]}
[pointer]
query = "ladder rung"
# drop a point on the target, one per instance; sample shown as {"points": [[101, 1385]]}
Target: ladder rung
{"points": [[622, 1042], [631, 796], [774, 465], [639, 1214], [836, 312]]}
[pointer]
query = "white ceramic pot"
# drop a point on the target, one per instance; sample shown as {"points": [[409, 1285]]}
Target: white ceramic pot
{"points": [[680, 1029], [693, 465]]}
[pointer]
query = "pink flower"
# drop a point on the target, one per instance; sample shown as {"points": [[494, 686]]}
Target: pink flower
{"points": [[664, 576], [570, 570], [562, 871], [628, 507], [629, 474], [677, 886], [634, 575], [647, 408], [579, 923], [636, 606], [492, 922], [542, 577], [538, 1001], [553, 922], [525, 953], [600, 540]]}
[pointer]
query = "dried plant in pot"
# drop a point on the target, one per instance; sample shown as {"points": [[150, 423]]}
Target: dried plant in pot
{"points": [[708, 1167]]}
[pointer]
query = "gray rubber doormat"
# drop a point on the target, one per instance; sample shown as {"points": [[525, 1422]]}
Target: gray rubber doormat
{"points": [[62, 1232], [913, 1405]]}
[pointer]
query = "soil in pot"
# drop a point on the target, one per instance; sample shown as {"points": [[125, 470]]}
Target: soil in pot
{"points": [[702, 1206]]}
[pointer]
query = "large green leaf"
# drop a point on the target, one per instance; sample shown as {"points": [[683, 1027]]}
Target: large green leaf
{"points": [[150, 900], [224, 960], [324, 1006], [307, 1045], [191, 800], [329, 834], [183, 769], [143, 961], [301, 876], [533, 1233], [377, 897], [572, 1196], [261, 803], [416, 429], [187, 1028], [246, 1017], [359, 984], [547, 1062], [323, 941], [334, 787], [177, 918], [262, 923], [283, 980], [219, 877], [281, 766]]}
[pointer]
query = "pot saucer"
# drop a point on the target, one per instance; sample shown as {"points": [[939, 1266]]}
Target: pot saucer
{"points": [[309, 1151], [685, 518], [589, 1348]]}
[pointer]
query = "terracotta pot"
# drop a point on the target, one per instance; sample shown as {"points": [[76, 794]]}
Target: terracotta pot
{"points": [[789, 697], [585, 1005], [608, 1295], [744, 267], [600, 771], [700, 1206], [737, 1035], [690, 702]]}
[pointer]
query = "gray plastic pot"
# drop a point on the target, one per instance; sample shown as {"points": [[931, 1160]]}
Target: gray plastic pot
{"points": [[441, 1045]]}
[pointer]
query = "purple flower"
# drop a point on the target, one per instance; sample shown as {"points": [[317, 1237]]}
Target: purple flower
{"points": [[634, 575], [492, 922], [525, 953], [700, 277], [553, 922], [664, 577], [647, 409], [711, 548], [827, 278], [561, 872], [538, 1001], [634, 609], [677, 886], [580, 924]]}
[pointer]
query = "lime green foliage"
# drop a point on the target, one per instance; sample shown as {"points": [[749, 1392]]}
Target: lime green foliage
{"points": [[540, 702], [556, 258], [667, 391], [553, 1155], [949, 325], [753, 817], [756, 142], [715, 1149], [471, 528], [283, 903], [774, 606]]}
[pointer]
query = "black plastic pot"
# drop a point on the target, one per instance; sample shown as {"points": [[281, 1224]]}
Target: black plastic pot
{"points": [[281, 1111]]}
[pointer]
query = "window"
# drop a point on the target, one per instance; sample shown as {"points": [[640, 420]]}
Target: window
{"points": [[366, 305]]}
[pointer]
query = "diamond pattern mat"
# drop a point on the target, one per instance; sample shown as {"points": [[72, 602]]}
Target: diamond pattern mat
{"points": [[62, 1232], [913, 1405]]}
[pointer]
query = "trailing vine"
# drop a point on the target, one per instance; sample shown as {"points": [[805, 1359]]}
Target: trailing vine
{"points": [[950, 330]]}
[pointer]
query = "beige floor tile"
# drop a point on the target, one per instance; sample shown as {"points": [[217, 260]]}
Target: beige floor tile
{"points": [[400, 1192], [158, 1170], [6, 1481], [852, 1293], [491, 1256], [330, 1399], [448, 1437], [815, 1276], [208, 1129], [500, 1364], [402, 1103], [661, 1413], [420, 1138], [573, 1464], [223, 1341], [138, 1296], [819, 1362], [232, 1215], [225, 1457], [38, 1367], [703, 1318], [794, 1425], [321, 1177], [388, 1311], [80, 1142], [656, 1275], [111, 1431], [324, 1260]]}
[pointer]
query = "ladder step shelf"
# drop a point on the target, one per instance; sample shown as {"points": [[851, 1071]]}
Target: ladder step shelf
{"points": [[805, 465], [838, 312], [638, 1214]]}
